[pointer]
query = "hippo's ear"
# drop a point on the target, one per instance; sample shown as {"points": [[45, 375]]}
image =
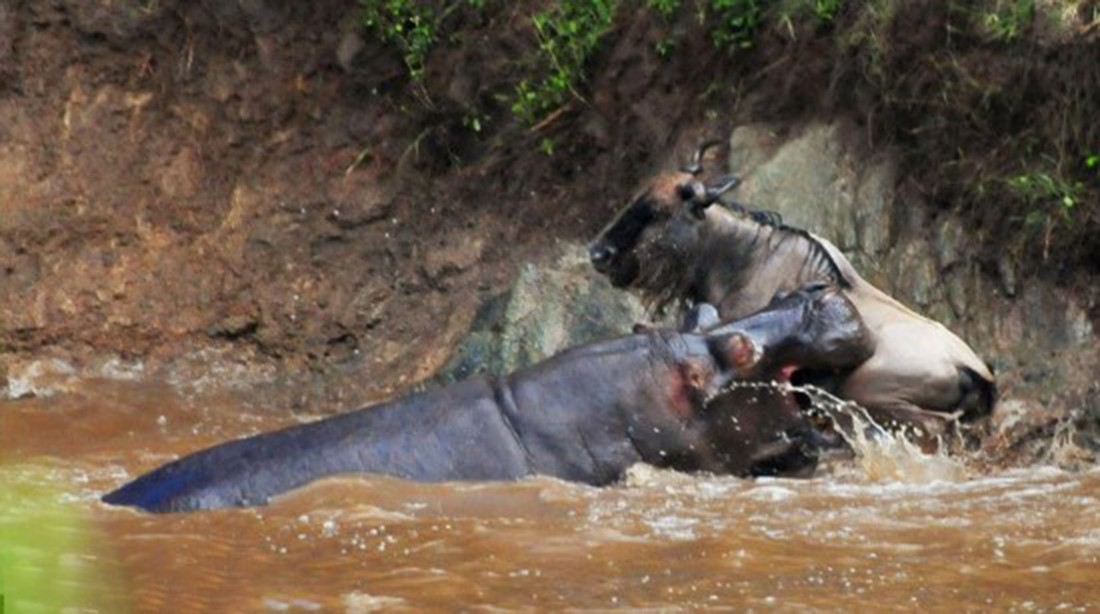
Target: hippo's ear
{"points": [[739, 351]]}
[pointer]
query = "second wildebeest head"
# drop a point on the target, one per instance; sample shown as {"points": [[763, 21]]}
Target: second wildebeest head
{"points": [[648, 244]]}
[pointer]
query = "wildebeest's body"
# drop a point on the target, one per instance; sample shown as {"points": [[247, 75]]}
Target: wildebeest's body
{"points": [[585, 415], [673, 246]]}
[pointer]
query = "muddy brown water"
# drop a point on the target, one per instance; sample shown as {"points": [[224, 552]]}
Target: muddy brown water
{"points": [[1021, 540]]}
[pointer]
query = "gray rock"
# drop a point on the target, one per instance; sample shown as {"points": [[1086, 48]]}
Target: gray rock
{"points": [[351, 43], [817, 183], [121, 20], [550, 307]]}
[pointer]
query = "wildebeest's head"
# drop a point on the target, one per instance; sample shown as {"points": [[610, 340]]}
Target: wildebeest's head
{"points": [[647, 244]]}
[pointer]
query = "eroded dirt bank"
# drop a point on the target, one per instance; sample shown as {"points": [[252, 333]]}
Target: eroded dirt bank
{"points": [[223, 178], [256, 195]]}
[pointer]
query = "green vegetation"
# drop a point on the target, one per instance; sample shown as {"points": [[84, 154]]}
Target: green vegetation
{"points": [[413, 26], [1007, 20], [406, 24], [568, 34], [664, 8], [737, 22], [1049, 194], [826, 10], [823, 11], [51, 558]]}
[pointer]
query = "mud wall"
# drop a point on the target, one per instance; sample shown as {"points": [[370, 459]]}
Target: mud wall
{"points": [[252, 193]]}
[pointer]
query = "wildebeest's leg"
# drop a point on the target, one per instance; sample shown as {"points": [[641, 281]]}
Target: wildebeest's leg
{"points": [[701, 317], [924, 427]]}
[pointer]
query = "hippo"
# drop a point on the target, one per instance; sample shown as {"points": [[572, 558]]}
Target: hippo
{"points": [[586, 414]]}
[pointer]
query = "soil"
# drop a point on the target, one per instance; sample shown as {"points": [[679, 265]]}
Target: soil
{"points": [[261, 186], [261, 181]]}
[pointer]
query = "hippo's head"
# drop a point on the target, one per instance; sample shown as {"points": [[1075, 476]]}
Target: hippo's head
{"points": [[809, 333], [647, 244], [813, 328]]}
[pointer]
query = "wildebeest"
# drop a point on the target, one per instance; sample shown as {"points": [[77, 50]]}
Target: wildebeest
{"points": [[585, 415], [674, 246]]}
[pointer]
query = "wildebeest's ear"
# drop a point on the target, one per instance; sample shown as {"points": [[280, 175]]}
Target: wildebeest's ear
{"points": [[694, 195], [698, 196]]}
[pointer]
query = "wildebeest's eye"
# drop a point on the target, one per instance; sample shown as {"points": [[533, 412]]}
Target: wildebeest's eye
{"points": [[686, 191], [694, 192]]}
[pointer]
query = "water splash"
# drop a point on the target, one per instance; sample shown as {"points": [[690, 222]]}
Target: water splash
{"points": [[881, 455]]}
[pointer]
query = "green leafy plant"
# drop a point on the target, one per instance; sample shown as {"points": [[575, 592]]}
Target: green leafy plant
{"points": [[737, 22], [1007, 20], [568, 34], [826, 10], [474, 121], [1051, 196], [664, 8], [789, 12], [409, 26]]}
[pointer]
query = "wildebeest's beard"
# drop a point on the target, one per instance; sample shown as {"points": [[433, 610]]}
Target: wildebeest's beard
{"points": [[665, 262]]}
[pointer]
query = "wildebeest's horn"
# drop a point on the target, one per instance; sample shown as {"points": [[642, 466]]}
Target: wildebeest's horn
{"points": [[699, 197], [696, 165], [715, 190]]}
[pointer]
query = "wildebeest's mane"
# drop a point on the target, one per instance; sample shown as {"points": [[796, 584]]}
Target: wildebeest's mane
{"points": [[768, 219], [663, 280]]}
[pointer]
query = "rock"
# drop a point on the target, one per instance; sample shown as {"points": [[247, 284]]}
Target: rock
{"points": [[39, 378], [7, 39], [234, 326], [550, 307], [1007, 271], [350, 46], [816, 182], [182, 175], [950, 241], [121, 20], [453, 257]]}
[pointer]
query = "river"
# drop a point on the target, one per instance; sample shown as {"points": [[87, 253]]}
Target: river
{"points": [[857, 539]]}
